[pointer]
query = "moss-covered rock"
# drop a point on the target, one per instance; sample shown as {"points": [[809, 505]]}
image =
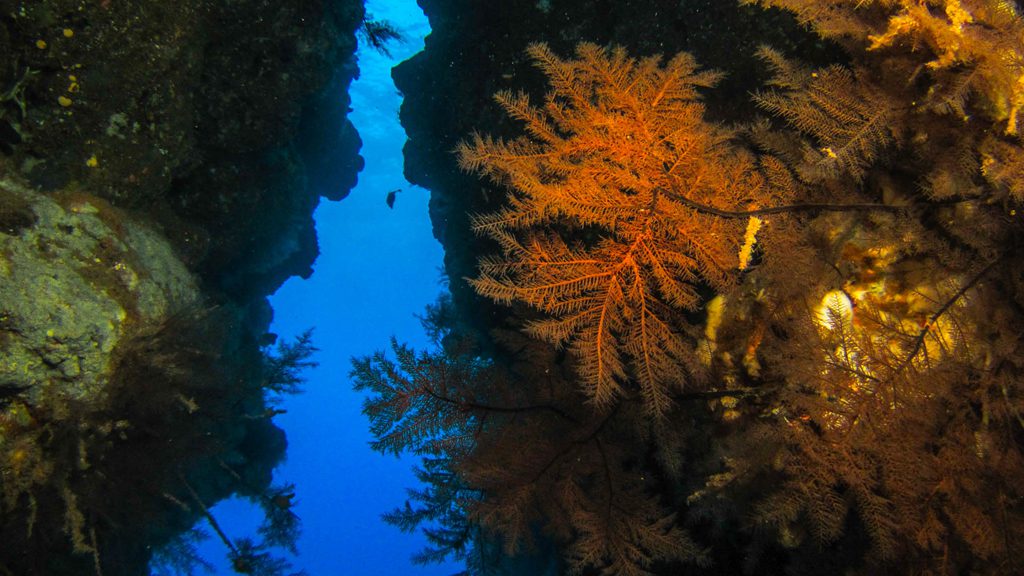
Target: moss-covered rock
{"points": [[72, 283], [127, 402]]}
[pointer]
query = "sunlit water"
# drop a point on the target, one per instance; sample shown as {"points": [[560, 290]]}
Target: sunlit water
{"points": [[378, 267]]}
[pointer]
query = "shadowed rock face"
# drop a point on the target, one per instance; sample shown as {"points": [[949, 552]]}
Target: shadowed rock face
{"points": [[204, 115], [159, 167]]}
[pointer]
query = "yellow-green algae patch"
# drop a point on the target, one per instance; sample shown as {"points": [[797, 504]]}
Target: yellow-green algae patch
{"points": [[73, 278]]}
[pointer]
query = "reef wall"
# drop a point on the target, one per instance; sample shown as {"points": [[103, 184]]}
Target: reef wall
{"points": [[159, 167]]}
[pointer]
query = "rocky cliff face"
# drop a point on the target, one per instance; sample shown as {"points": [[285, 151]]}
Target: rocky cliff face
{"points": [[159, 166]]}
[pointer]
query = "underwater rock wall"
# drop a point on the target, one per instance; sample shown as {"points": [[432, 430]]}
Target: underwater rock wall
{"points": [[159, 167], [191, 111]]}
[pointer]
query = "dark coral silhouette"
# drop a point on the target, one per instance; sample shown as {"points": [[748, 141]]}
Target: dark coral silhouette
{"points": [[509, 454]]}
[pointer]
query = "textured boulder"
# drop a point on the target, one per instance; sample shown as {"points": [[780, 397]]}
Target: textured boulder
{"points": [[73, 277]]}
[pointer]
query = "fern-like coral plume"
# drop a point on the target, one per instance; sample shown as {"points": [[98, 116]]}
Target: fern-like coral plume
{"points": [[620, 147], [975, 45]]}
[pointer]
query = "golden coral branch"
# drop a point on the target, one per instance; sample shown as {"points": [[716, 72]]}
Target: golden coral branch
{"points": [[614, 136]]}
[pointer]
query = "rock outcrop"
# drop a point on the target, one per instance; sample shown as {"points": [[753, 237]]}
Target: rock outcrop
{"points": [[159, 167]]}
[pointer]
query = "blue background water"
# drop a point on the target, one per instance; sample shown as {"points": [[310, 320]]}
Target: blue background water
{"points": [[378, 267]]}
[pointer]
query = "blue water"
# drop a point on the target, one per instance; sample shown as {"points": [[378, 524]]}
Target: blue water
{"points": [[377, 268]]}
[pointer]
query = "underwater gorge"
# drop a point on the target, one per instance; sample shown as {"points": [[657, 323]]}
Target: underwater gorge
{"points": [[732, 286]]}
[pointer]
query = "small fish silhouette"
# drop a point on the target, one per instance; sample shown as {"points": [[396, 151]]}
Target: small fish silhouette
{"points": [[391, 197]]}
